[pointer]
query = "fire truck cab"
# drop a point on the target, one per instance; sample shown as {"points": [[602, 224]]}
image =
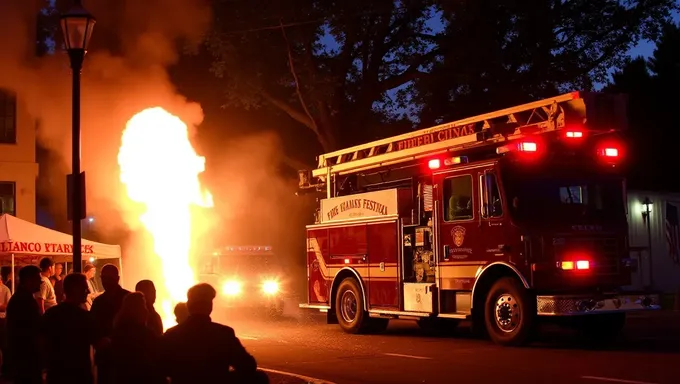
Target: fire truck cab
{"points": [[246, 277], [497, 219]]}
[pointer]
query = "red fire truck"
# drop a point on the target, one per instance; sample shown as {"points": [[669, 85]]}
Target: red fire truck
{"points": [[246, 277], [498, 219]]}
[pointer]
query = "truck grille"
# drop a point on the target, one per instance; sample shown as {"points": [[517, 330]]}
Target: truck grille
{"points": [[605, 252]]}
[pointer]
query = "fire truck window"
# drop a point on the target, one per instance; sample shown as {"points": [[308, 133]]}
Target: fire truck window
{"points": [[458, 198], [493, 207], [573, 194]]}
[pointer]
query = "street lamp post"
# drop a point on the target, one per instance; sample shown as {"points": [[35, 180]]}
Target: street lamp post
{"points": [[76, 26]]}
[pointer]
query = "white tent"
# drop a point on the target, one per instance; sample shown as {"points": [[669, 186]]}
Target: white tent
{"points": [[24, 242]]}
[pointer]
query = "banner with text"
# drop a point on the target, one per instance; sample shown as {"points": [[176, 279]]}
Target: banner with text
{"points": [[359, 206]]}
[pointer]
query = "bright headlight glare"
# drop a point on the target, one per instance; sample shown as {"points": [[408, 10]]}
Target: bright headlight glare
{"points": [[270, 287], [231, 288]]}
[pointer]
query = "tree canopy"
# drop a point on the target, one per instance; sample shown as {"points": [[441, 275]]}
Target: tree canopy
{"points": [[350, 71], [650, 84]]}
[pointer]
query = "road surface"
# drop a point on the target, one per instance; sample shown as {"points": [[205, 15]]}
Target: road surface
{"points": [[306, 346]]}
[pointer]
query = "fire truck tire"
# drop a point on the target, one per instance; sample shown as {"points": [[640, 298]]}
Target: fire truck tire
{"points": [[509, 313], [349, 308]]}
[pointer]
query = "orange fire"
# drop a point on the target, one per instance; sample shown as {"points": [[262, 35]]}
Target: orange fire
{"points": [[160, 169]]}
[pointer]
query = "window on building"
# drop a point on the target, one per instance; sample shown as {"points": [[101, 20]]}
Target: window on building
{"points": [[8, 117], [458, 198], [7, 198], [492, 207]]}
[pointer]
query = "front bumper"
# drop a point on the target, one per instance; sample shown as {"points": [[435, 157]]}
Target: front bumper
{"points": [[250, 301], [559, 305]]}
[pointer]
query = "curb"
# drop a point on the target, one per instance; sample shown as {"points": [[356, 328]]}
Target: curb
{"points": [[306, 379]]}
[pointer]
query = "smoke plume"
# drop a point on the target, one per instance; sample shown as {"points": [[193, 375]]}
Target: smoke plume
{"points": [[133, 44]]}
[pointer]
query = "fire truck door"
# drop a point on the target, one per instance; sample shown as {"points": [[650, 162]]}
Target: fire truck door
{"points": [[383, 258], [495, 238], [459, 251]]}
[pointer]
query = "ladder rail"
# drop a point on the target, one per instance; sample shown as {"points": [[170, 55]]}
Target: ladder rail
{"points": [[383, 152], [323, 160]]}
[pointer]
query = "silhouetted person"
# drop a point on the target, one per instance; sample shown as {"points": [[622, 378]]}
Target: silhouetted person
{"points": [[45, 296], [154, 321], [104, 310], [201, 351], [89, 271], [23, 327], [59, 282], [5, 295], [134, 346], [181, 313], [69, 334]]}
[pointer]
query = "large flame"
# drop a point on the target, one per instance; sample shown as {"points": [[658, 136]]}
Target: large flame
{"points": [[160, 169]]}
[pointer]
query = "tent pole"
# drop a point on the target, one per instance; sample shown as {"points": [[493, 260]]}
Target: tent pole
{"points": [[13, 277], [120, 269]]}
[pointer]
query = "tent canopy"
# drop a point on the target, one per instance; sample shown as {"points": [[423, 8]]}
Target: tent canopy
{"points": [[22, 238]]}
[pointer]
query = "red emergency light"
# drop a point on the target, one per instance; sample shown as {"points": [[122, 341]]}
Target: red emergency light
{"points": [[434, 164], [573, 134], [522, 146], [578, 264], [611, 152]]}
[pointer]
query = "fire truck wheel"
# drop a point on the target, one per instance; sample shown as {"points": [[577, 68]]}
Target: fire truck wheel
{"points": [[509, 315], [349, 308]]}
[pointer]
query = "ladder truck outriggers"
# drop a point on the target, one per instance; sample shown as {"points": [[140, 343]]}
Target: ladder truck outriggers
{"points": [[498, 219]]}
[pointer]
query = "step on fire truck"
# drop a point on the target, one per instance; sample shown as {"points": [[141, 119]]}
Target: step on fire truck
{"points": [[498, 219]]}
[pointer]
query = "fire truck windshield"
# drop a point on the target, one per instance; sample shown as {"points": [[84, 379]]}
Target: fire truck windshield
{"points": [[555, 196]]}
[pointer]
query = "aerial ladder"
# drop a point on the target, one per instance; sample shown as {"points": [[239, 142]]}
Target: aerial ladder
{"points": [[592, 111]]}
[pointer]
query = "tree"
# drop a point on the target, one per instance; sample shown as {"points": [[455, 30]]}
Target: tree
{"points": [[496, 54], [650, 84], [326, 64]]}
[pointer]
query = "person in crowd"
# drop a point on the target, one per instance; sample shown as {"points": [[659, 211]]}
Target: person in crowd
{"points": [[134, 346], [59, 283], [201, 351], [89, 270], [23, 326], [104, 310], [69, 334], [181, 313], [46, 297], [154, 322], [5, 295], [6, 275]]}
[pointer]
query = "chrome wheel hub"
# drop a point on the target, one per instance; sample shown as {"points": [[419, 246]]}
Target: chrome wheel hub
{"points": [[348, 306], [507, 313]]}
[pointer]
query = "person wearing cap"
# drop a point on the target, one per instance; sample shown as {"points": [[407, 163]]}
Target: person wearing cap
{"points": [[201, 351]]}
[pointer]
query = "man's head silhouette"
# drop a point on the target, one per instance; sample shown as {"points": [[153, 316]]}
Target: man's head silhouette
{"points": [[149, 290], [200, 299], [29, 278], [181, 312], [109, 276], [75, 288]]}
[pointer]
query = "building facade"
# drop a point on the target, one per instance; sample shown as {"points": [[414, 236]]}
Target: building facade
{"points": [[18, 166], [654, 238]]}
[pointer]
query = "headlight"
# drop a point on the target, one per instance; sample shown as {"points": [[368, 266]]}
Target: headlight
{"points": [[270, 287], [231, 288]]}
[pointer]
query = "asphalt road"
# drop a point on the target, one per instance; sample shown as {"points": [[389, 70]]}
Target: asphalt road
{"points": [[649, 352]]}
